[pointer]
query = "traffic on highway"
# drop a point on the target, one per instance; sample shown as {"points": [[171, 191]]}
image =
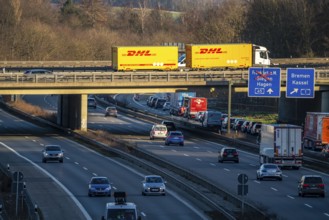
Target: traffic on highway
{"points": [[281, 199]]}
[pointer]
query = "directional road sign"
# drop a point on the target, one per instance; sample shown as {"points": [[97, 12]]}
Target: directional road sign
{"points": [[300, 83], [264, 82]]}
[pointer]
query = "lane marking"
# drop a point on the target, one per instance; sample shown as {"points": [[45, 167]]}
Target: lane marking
{"points": [[186, 155], [173, 150], [94, 174], [226, 169], [326, 214], [284, 175], [196, 147], [143, 214], [76, 163], [85, 168], [67, 158], [274, 189], [212, 164], [308, 205], [209, 151], [198, 159], [290, 197], [256, 181], [253, 165]]}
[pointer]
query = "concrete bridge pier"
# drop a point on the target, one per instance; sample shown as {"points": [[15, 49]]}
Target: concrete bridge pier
{"points": [[293, 110], [72, 111]]}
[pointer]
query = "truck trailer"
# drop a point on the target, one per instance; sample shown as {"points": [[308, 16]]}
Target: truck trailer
{"points": [[132, 58], [176, 102], [281, 144], [193, 105], [225, 56], [316, 130]]}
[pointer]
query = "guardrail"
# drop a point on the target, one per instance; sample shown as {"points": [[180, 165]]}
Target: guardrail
{"points": [[321, 77]]}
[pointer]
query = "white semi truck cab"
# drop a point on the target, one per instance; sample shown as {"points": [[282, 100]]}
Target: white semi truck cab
{"points": [[120, 209]]}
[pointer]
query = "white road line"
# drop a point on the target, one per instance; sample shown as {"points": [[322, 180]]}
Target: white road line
{"points": [[198, 159], [94, 174], [274, 189], [67, 158], [284, 175], [76, 163], [34, 140], [196, 147], [290, 197], [85, 168], [209, 151], [42, 144], [308, 205], [326, 214], [253, 165], [212, 164], [186, 155], [162, 146], [173, 150], [256, 181], [143, 214], [226, 169], [113, 187]]}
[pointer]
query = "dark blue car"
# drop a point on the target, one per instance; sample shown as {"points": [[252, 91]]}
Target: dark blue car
{"points": [[99, 186], [175, 137]]}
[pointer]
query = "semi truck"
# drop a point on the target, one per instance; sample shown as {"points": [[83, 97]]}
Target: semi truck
{"points": [[193, 105], [132, 58], [316, 130], [225, 56], [176, 102], [281, 144]]}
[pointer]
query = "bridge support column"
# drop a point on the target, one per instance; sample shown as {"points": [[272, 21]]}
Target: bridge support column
{"points": [[325, 101], [293, 110], [73, 111]]}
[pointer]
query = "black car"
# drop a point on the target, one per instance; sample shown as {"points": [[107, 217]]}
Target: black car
{"points": [[228, 154], [170, 125], [311, 185]]}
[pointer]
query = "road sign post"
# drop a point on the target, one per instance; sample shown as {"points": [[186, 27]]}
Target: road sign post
{"points": [[264, 82], [300, 83], [242, 188]]}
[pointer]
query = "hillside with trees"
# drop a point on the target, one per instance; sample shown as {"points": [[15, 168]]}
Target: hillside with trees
{"points": [[87, 29]]}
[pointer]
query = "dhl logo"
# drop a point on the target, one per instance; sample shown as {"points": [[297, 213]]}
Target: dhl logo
{"points": [[210, 50], [139, 53]]}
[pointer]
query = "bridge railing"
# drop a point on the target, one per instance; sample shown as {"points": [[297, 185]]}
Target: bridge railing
{"points": [[321, 76]]}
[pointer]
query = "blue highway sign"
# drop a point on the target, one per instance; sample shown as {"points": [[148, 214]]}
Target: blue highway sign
{"points": [[300, 83], [264, 82]]}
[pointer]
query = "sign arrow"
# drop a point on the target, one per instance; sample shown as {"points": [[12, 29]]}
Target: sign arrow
{"points": [[270, 91], [294, 91]]}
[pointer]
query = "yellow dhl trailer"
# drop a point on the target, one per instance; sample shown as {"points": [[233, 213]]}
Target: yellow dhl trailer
{"points": [[130, 58], [209, 56]]}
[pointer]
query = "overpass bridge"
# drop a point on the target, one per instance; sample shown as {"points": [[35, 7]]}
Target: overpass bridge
{"points": [[74, 87]]}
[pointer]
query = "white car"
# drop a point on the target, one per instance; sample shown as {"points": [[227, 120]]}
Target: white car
{"points": [[158, 131], [153, 185], [270, 171]]}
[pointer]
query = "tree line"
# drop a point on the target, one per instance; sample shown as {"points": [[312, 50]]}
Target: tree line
{"points": [[87, 29]]}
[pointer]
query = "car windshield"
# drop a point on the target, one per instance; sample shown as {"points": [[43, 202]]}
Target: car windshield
{"points": [[100, 181], [111, 109], [154, 180], [160, 128], [270, 167], [119, 214], [53, 148], [313, 180], [176, 134], [229, 151]]}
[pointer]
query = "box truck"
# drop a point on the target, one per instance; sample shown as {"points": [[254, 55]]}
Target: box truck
{"points": [[225, 56], [193, 105], [176, 102], [131, 58], [316, 130], [281, 144]]}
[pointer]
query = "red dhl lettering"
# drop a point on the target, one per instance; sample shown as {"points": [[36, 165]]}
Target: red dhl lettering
{"points": [[139, 53], [210, 50]]}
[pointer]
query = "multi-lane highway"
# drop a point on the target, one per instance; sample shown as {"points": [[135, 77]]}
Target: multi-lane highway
{"points": [[199, 155], [26, 141]]}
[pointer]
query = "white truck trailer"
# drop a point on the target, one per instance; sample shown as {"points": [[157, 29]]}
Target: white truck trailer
{"points": [[281, 144]]}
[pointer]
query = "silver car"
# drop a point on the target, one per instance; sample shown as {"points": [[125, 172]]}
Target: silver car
{"points": [[153, 185], [52, 153], [270, 171]]}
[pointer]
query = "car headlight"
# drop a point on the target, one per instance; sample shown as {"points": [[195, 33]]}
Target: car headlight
{"points": [[45, 153], [108, 188], [60, 154]]}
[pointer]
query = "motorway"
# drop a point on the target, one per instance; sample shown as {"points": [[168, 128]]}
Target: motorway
{"points": [[80, 164], [199, 155]]}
